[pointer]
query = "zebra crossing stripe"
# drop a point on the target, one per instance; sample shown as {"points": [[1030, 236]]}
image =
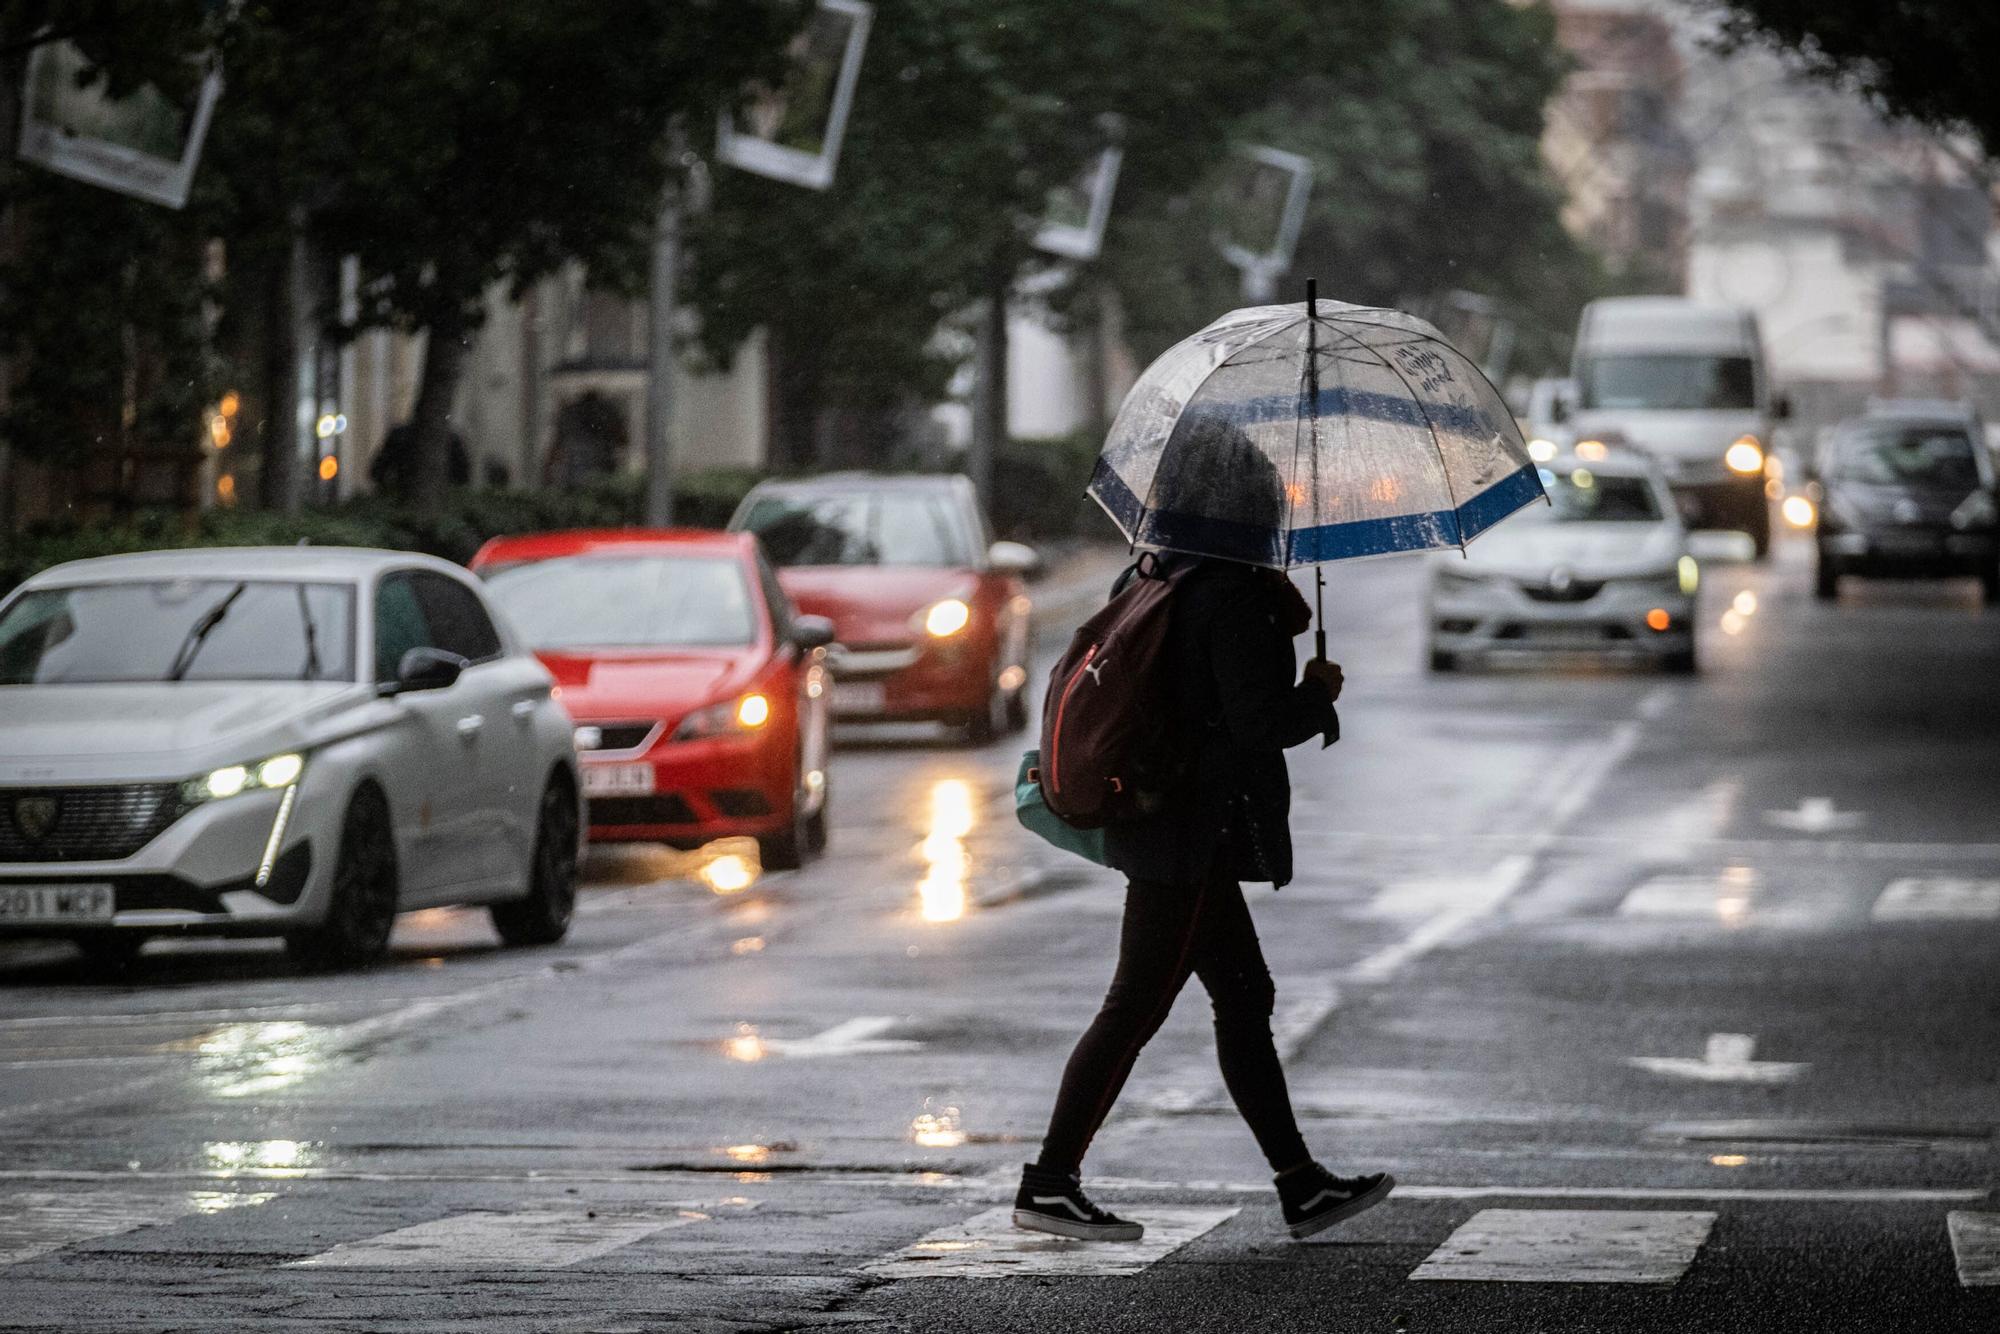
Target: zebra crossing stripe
{"points": [[988, 1245], [1938, 898], [492, 1239], [1975, 1247], [1570, 1246], [37, 1222]]}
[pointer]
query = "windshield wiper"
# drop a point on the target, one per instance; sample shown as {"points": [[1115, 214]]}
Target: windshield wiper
{"points": [[198, 633], [310, 672]]}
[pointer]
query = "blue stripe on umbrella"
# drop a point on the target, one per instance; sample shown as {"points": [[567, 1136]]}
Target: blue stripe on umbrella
{"points": [[1338, 402], [1434, 530], [1416, 532]]}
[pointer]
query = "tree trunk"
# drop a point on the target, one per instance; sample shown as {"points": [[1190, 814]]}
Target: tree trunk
{"points": [[989, 392], [792, 373], [445, 350], [278, 430]]}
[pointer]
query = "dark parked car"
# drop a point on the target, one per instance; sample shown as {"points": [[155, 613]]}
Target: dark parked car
{"points": [[1907, 494]]}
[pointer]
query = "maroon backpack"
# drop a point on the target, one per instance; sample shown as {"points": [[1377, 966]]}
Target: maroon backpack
{"points": [[1106, 701]]}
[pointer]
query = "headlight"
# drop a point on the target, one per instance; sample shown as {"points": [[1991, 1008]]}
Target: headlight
{"points": [[945, 619], [745, 714], [1798, 511], [1688, 575], [1975, 511], [1541, 451], [279, 771], [1746, 456]]}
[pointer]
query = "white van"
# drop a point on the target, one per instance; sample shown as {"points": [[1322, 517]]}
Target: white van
{"points": [[1686, 383]]}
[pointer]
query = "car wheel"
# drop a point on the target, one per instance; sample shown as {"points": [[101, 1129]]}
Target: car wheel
{"points": [[990, 722], [1759, 525], [362, 910], [542, 918], [1441, 661], [786, 850], [1989, 583], [1826, 578], [816, 824], [1682, 663], [109, 952], [1017, 711]]}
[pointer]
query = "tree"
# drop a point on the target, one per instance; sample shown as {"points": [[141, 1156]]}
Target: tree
{"points": [[1927, 59], [451, 145]]}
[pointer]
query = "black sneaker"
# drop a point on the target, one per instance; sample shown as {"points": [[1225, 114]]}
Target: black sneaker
{"points": [[1050, 1201], [1315, 1199]]}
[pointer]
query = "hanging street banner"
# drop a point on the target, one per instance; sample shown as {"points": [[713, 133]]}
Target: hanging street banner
{"points": [[1263, 203], [792, 132], [144, 144], [1073, 225]]}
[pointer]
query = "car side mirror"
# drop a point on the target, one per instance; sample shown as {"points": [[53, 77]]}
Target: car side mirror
{"points": [[811, 632], [1781, 407], [426, 669], [1014, 558], [1560, 409]]}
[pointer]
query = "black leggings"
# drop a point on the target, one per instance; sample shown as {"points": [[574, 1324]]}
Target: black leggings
{"points": [[1169, 932]]}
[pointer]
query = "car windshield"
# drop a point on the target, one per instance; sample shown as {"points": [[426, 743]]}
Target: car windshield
{"points": [[626, 601], [1668, 381], [858, 528], [179, 630], [1907, 455], [1579, 495]]}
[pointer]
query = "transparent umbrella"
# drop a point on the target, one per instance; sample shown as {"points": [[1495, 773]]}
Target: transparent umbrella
{"points": [[1284, 438]]}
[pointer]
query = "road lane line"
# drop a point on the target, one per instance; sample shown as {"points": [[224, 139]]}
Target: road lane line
{"points": [[496, 1240], [1975, 1247], [36, 1223], [1569, 1246], [1938, 898], [988, 1245]]}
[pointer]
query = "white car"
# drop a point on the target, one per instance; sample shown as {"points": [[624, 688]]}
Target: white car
{"points": [[283, 741], [1603, 568]]}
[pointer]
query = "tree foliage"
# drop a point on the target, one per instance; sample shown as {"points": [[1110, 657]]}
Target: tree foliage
{"points": [[1931, 60]]}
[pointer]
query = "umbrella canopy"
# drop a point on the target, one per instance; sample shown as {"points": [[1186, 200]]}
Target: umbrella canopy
{"points": [[1282, 440]]}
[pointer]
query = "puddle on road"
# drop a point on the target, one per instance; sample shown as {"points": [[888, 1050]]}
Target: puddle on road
{"points": [[942, 894], [242, 1060]]}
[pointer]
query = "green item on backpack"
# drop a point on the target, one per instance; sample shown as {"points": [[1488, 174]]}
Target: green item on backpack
{"points": [[1035, 815]]}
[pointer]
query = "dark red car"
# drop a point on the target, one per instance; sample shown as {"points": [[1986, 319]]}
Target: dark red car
{"points": [[700, 696], [930, 616]]}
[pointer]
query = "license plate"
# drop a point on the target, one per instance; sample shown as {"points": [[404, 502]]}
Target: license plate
{"points": [[55, 903], [617, 780], [859, 697]]}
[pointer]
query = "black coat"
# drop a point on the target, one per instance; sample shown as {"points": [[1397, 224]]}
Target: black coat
{"points": [[1236, 706]]}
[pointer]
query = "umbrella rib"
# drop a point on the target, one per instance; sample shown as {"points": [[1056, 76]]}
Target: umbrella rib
{"points": [[1444, 467]]}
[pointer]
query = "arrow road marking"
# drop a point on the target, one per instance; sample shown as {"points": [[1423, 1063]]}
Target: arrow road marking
{"points": [[1815, 815], [1726, 1060], [856, 1037]]}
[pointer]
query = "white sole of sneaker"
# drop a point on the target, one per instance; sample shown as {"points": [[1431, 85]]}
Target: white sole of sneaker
{"points": [[1359, 1204], [1030, 1221]]}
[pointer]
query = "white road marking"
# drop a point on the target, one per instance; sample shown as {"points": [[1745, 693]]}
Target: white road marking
{"points": [[1815, 815], [39, 1222], [855, 1037], [1975, 1246], [1725, 1060], [1570, 1246], [491, 1240], [1483, 894], [1724, 899], [988, 1245], [1934, 898]]}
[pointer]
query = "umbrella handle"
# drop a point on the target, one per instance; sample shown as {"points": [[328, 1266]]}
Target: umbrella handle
{"points": [[1319, 603]]}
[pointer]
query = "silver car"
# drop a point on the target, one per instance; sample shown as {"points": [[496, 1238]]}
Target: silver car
{"points": [[287, 741], [1603, 569]]}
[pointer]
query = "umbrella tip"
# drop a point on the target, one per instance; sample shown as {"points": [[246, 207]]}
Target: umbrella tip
{"points": [[1312, 298]]}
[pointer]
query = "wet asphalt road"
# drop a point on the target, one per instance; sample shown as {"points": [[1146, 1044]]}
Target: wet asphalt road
{"points": [[1674, 1004]]}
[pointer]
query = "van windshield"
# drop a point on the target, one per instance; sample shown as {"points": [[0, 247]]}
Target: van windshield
{"points": [[1669, 381]]}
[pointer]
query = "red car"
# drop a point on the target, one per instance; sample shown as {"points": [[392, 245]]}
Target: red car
{"points": [[699, 695], [930, 618]]}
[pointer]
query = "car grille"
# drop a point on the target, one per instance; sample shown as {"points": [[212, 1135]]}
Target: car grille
{"points": [[623, 736], [1580, 590], [666, 809], [57, 824]]}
